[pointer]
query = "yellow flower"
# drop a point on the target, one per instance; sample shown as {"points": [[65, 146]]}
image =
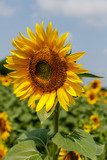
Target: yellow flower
{"points": [[102, 94], [91, 97], [71, 156], [43, 70], [96, 85], [1, 77], [87, 127], [95, 121], [6, 80], [105, 101], [5, 127], [3, 151]]}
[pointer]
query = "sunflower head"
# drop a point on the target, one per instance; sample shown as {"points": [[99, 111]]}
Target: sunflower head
{"points": [[91, 97], [87, 127], [42, 69], [95, 85], [70, 156], [3, 150], [95, 121], [5, 127]]}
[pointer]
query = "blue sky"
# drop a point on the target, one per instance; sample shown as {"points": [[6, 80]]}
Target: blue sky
{"points": [[85, 20]]}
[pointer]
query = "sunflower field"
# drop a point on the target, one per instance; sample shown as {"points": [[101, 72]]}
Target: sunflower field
{"points": [[89, 114], [51, 77]]}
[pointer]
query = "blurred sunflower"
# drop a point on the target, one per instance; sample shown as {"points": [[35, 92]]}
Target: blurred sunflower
{"points": [[1, 76], [5, 127], [96, 85], [91, 97], [87, 127], [95, 121], [6, 80], [105, 101], [102, 94], [3, 150], [43, 70], [70, 156]]}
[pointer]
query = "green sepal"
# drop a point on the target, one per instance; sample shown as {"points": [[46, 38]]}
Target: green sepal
{"points": [[89, 75], [43, 115]]}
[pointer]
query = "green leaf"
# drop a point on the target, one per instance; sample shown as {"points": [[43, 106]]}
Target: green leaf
{"points": [[79, 141], [43, 115], [40, 136], [100, 149], [23, 151], [89, 75]]}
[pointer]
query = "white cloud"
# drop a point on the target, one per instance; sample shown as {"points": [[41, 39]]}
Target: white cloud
{"points": [[91, 11], [6, 10]]}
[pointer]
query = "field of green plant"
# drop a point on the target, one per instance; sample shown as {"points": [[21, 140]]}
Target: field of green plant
{"points": [[89, 113]]}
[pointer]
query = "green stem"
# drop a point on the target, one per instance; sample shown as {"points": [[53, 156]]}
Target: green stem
{"points": [[56, 117], [65, 155], [85, 158], [47, 153]]}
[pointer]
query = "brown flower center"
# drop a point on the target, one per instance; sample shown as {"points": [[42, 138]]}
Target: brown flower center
{"points": [[95, 85], [2, 125], [72, 156], [92, 96], [47, 70], [1, 154]]}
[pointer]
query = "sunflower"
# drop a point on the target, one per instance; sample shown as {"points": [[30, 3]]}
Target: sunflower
{"points": [[96, 85], [105, 101], [70, 156], [91, 97], [3, 151], [95, 121], [87, 127], [102, 94], [5, 127], [44, 70], [1, 76], [6, 80]]}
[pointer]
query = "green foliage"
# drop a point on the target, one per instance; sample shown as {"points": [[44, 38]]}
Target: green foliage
{"points": [[79, 141], [23, 119], [89, 75], [40, 136], [43, 115], [23, 151], [3, 70]]}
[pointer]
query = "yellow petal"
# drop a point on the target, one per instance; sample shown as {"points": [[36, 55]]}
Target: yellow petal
{"points": [[49, 29], [35, 96], [33, 105], [61, 99], [30, 43], [18, 74], [71, 76], [50, 101], [19, 54], [79, 70], [42, 102], [62, 40], [25, 84], [69, 89], [20, 93], [27, 94], [31, 35], [75, 56]]}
